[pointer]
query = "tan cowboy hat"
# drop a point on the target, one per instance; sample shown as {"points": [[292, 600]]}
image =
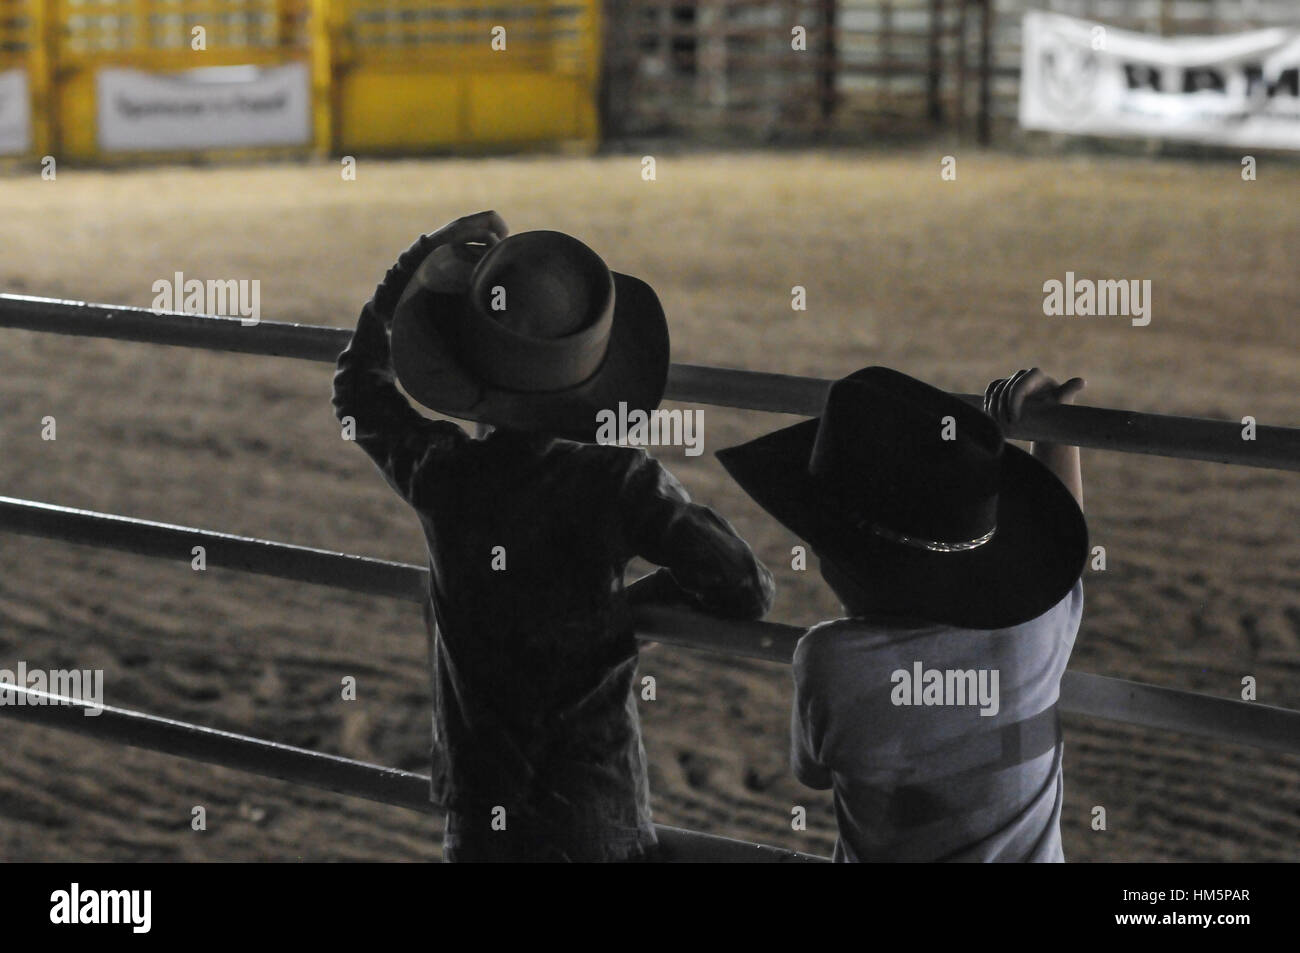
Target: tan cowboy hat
{"points": [[542, 336]]}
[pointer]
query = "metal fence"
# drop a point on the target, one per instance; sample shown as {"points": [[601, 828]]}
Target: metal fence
{"points": [[1135, 703], [867, 67], [403, 76], [410, 75]]}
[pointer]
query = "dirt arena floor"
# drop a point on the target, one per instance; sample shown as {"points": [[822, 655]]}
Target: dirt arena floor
{"points": [[942, 279]]}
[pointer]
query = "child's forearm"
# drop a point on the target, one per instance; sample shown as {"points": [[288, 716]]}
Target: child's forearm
{"points": [[1003, 400], [1064, 462], [363, 382], [363, 385]]}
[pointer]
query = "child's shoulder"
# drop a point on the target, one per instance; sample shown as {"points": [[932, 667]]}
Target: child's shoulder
{"points": [[622, 460], [826, 641], [821, 640]]}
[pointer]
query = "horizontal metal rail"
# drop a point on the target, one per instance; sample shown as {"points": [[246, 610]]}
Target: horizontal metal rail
{"points": [[1082, 693], [327, 772], [1191, 438], [147, 538]]}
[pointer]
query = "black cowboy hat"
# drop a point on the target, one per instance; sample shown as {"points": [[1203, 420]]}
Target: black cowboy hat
{"points": [[541, 337], [968, 531]]}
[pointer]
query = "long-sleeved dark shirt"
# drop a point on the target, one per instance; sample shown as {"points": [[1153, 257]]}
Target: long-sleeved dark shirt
{"points": [[532, 647]]}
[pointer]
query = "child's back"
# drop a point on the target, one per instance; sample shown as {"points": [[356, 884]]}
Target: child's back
{"points": [[944, 741], [535, 652], [537, 751], [931, 711]]}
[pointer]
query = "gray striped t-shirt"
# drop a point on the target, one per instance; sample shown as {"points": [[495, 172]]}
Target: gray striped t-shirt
{"points": [[941, 744]]}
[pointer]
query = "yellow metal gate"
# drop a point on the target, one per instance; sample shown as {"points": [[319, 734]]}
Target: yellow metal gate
{"points": [[406, 75], [157, 38], [107, 80]]}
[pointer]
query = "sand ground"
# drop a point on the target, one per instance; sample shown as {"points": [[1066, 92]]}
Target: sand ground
{"points": [[940, 279]]}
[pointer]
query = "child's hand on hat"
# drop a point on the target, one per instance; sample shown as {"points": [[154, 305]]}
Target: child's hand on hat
{"points": [[1005, 398], [487, 228], [456, 249], [484, 228]]}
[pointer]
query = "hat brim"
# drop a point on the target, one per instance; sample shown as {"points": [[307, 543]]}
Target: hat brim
{"points": [[634, 370], [1030, 564]]}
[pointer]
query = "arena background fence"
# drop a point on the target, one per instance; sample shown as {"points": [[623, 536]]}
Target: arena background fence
{"points": [[375, 76], [413, 76], [1135, 703], [871, 67]]}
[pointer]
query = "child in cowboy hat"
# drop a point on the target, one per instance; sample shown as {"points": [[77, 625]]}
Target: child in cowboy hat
{"points": [[537, 752], [931, 710]]}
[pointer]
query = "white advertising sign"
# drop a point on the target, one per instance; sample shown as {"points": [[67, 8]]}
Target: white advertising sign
{"points": [[1239, 89], [211, 108], [15, 113]]}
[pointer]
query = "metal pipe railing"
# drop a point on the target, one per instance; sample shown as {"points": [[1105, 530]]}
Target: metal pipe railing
{"points": [[147, 538], [1082, 693], [1191, 438], [326, 772]]}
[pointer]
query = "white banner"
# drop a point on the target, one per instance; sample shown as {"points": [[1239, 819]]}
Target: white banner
{"points": [[15, 113], [1239, 89], [217, 107]]}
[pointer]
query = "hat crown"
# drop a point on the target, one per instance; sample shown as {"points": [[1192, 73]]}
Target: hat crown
{"points": [[537, 314], [905, 458], [527, 368], [542, 284]]}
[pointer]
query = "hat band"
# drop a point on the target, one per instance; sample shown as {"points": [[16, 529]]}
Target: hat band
{"points": [[933, 545]]}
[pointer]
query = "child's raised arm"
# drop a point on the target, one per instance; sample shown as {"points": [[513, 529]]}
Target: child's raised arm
{"points": [[1005, 399], [366, 399]]}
